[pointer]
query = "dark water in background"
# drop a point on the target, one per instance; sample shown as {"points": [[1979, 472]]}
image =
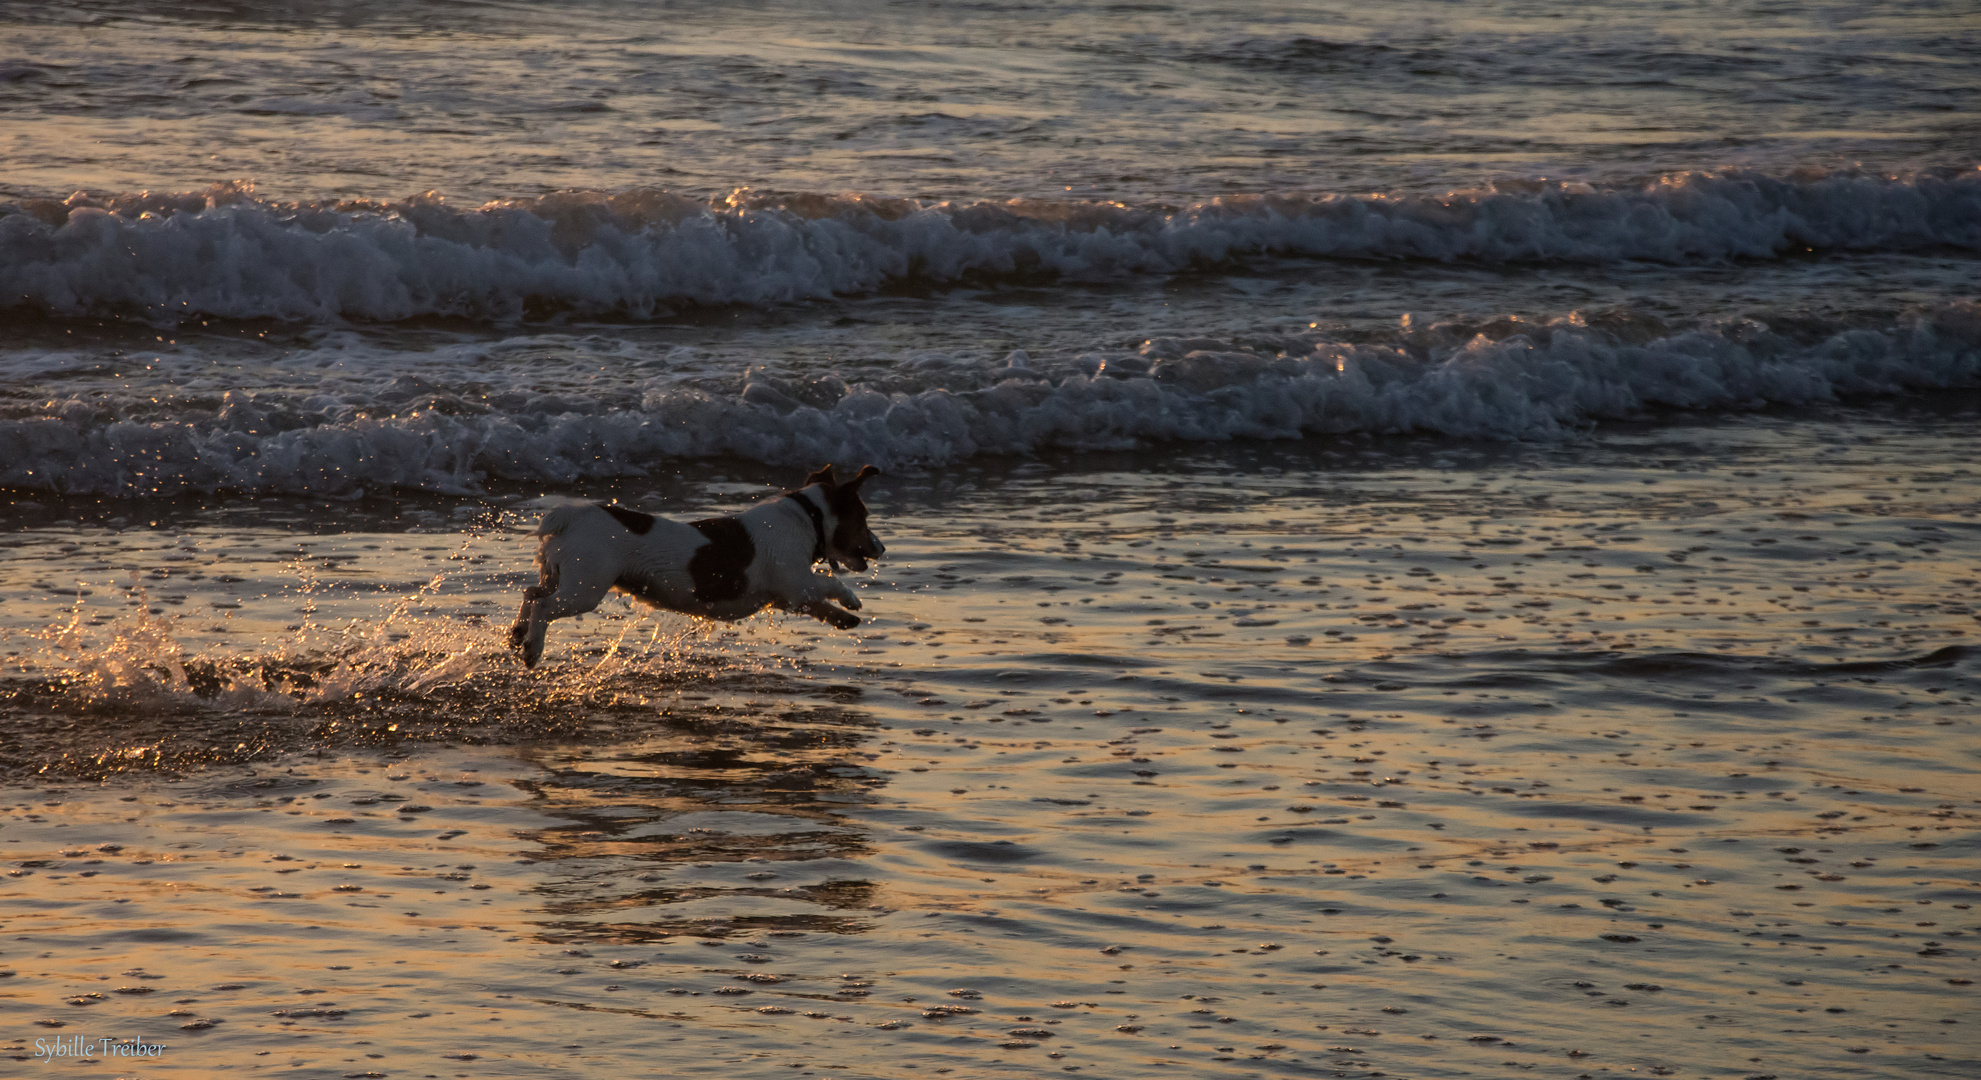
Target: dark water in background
{"points": [[1141, 103], [1425, 541]]}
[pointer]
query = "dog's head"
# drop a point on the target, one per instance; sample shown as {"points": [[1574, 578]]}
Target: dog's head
{"points": [[849, 540]]}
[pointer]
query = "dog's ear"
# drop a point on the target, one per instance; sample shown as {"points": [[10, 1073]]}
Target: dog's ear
{"points": [[822, 475], [854, 484]]}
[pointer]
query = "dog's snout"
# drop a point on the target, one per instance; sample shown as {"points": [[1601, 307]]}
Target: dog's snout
{"points": [[875, 549]]}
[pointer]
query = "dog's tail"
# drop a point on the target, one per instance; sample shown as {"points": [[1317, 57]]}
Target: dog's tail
{"points": [[560, 518]]}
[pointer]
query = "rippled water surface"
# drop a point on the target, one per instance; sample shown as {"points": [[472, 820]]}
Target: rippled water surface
{"points": [[1419, 758], [496, 100]]}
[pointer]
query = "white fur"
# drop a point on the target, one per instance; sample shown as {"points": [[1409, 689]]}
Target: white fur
{"points": [[585, 552]]}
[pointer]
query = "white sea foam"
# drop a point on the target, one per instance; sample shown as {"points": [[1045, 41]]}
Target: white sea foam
{"points": [[225, 253], [1504, 380]]}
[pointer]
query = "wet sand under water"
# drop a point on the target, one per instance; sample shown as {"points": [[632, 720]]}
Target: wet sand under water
{"points": [[1655, 753]]}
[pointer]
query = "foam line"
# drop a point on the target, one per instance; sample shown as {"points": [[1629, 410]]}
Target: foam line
{"points": [[225, 253], [1506, 380]]}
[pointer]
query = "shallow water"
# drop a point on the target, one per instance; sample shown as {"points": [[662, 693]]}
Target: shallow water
{"points": [[1214, 762], [1338, 465]]}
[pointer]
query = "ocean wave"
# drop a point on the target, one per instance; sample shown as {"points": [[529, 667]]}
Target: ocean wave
{"points": [[1503, 379], [223, 252]]}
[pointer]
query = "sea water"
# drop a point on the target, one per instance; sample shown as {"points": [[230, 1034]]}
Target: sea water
{"points": [[1339, 464]]}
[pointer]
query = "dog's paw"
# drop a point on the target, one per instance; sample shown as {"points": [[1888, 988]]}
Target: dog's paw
{"points": [[851, 603], [826, 613]]}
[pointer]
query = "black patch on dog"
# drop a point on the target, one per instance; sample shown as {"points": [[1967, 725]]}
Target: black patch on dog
{"points": [[817, 517], [640, 523], [720, 567]]}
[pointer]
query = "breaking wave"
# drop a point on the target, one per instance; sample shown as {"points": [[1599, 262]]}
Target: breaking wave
{"points": [[225, 253], [1504, 379]]}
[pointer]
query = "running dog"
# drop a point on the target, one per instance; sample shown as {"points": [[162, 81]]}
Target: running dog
{"points": [[720, 568]]}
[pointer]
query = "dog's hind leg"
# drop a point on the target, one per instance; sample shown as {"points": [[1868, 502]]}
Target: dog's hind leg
{"points": [[557, 595], [527, 632]]}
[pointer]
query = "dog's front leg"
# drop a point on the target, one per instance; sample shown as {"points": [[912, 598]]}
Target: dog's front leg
{"points": [[834, 589], [817, 599], [826, 613]]}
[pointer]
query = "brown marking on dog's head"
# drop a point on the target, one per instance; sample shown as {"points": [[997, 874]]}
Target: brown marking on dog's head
{"points": [[850, 540]]}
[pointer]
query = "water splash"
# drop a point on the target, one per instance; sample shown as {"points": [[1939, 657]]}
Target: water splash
{"points": [[145, 697]]}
